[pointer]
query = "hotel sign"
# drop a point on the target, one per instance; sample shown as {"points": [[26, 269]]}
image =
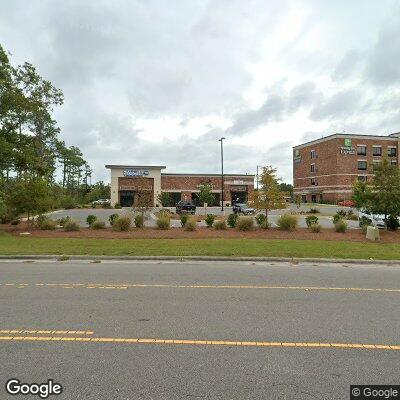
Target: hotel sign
{"points": [[347, 149], [297, 156], [135, 172]]}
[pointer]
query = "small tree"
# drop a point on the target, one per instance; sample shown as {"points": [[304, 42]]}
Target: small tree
{"points": [[29, 195], [164, 198], [205, 195], [144, 196], [383, 195], [269, 195]]}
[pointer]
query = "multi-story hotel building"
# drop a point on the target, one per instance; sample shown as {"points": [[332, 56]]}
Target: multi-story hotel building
{"points": [[125, 181], [326, 169]]}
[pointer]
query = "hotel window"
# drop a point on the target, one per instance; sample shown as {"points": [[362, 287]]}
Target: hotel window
{"points": [[313, 182], [362, 178], [361, 150], [362, 165], [376, 150], [313, 154], [392, 151], [313, 169]]}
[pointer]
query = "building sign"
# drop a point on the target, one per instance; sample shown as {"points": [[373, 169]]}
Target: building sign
{"points": [[347, 142], [135, 172], [297, 156], [347, 149]]}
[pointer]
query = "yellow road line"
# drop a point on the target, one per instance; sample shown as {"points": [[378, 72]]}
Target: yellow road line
{"points": [[51, 332], [119, 286], [204, 342]]}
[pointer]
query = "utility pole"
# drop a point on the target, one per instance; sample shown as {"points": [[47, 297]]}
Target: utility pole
{"points": [[222, 173]]}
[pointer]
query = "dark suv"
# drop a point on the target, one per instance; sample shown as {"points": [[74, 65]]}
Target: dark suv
{"points": [[240, 208], [185, 207]]}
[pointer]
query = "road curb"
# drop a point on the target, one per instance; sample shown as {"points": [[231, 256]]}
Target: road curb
{"points": [[202, 258]]}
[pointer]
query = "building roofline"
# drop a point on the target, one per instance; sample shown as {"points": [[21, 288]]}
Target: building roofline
{"points": [[109, 166], [346, 136], [217, 175]]}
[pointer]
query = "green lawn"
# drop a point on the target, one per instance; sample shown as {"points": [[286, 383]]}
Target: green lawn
{"points": [[199, 247]]}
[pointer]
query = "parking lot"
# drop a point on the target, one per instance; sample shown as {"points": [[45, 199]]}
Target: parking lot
{"points": [[325, 215]]}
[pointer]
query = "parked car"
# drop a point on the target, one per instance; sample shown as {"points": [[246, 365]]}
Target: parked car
{"points": [[241, 208], [185, 207], [101, 202], [346, 203], [377, 220]]}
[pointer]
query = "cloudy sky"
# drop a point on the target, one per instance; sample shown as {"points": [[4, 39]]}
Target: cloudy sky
{"points": [[159, 82]]}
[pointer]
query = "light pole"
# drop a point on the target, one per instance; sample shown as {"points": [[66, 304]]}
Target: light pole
{"points": [[257, 176], [222, 173]]}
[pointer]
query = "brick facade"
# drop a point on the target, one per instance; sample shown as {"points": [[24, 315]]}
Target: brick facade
{"points": [[336, 168], [189, 184]]}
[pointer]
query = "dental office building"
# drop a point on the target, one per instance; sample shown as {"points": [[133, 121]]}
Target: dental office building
{"points": [[128, 180], [326, 169]]}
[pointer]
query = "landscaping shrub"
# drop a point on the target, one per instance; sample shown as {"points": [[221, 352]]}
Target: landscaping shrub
{"points": [[265, 224], [220, 225], [184, 218], [245, 223], [62, 221], [138, 220], [40, 219], [117, 206], [392, 223], [98, 225], [338, 217], [90, 219], [287, 222], [314, 211], [232, 219], [190, 225], [341, 226], [364, 229], [342, 213], [108, 206], [260, 219], [48, 225], [122, 224], [311, 219], [71, 226], [112, 218], [315, 228], [210, 218], [15, 221], [163, 221], [68, 202], [164, 211]]}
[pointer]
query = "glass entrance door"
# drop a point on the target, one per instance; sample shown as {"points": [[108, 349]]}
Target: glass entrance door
{"points": [[126, 198]]}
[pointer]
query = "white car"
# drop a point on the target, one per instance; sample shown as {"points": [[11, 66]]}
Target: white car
{"points": [[377, 220]]}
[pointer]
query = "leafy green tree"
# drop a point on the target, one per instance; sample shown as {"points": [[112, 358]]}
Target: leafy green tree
{"points": [[205, 195], [29, 196], [164, 198], [269, 195], [286, 187], [383, 195]]}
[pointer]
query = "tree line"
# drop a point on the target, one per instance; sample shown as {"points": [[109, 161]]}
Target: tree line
{"points": [[32, 155]]}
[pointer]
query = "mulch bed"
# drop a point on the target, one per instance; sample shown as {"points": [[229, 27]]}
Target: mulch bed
{"points": [[201, 233]]}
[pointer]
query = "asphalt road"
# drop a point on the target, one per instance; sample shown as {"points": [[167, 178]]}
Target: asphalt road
{"points": [[241, 330]]}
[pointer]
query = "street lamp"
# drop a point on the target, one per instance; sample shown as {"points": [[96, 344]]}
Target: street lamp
{"points": [[257, 175], [222, 173]]}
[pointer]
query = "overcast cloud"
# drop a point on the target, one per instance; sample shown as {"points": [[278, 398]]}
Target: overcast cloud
{"points": [[156, 82]]}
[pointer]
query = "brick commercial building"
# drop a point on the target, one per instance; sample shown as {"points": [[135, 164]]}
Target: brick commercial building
{"points": [[326, 169], [128, 180]]}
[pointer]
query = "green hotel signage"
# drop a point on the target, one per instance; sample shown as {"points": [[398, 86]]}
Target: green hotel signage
{"points": [[347, 142]]}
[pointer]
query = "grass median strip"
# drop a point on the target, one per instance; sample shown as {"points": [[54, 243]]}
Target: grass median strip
{"points": [[233, 247], [186, 342]]}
